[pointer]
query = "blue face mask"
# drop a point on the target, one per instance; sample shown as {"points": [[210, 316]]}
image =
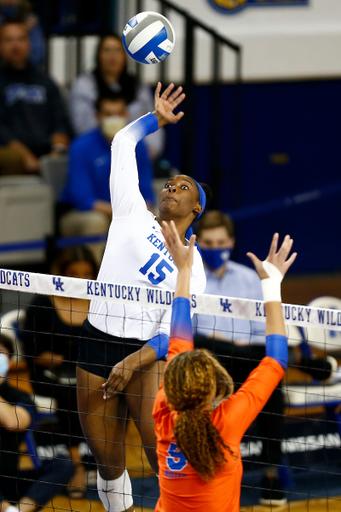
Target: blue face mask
{"points": [[215, 258], [4, 364], [9, 11]]}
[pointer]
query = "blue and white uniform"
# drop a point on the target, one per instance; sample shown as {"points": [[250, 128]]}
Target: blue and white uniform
{"points": [[135, 253]]}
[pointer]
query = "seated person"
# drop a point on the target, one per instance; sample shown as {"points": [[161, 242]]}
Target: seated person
{"points": [[33, 120], [87, 189], [50, 335], [24, 490], [240, 344], [22, 10], [111, 75]]}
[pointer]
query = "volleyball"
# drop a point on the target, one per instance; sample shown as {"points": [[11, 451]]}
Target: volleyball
{"points": [[148, 37]]}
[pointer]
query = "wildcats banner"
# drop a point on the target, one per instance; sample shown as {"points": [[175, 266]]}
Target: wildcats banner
{"points": [[233, 6], [301, 316]]}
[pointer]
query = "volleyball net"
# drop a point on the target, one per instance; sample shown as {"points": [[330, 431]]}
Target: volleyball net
{"points": [[297, 433]]}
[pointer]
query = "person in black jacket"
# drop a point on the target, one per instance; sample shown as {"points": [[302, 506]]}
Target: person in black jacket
{"points": [[33, 119], [24, 490]]}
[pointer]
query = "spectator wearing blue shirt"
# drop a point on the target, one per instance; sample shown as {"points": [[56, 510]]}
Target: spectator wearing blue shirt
{"points": [[240, 344], [87, 189]]}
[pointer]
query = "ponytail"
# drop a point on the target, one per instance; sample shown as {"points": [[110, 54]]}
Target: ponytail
{"points": [[200, 442], [188, 383]]}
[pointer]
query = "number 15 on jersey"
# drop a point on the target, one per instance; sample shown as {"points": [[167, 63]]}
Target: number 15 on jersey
{"points": [[160, 268]]}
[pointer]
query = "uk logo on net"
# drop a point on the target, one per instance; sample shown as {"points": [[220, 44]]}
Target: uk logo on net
{"points": [[58, 283]]}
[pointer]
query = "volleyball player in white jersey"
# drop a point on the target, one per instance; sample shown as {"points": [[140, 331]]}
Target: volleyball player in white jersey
{"points": [[135, 255]]}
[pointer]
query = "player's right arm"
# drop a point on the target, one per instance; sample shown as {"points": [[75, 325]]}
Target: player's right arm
{"points": [[181, 337], [253, 395], [126, 198]]}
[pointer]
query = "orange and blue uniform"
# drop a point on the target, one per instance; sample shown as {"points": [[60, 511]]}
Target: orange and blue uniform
{"points": [[181, 487]]}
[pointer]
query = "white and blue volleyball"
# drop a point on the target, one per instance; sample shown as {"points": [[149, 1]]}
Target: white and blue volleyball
{"points": [[148, 37]]}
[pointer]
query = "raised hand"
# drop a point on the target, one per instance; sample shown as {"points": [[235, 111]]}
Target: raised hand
{"points": [[166, 103], [182, 256], [277, 258]]}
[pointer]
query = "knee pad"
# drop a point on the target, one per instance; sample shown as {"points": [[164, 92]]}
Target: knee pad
{"points": [[116, 495]]}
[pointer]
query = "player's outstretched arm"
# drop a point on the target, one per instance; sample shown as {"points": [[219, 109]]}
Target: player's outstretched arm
{"points": [[182, 256], [181, 336], [271, 272], [166, 104], [257, 389]]}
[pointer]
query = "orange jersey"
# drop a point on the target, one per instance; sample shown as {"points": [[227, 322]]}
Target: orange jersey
{"points": [[181, 488]]}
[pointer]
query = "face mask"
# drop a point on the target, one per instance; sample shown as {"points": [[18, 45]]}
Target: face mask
{"points": [[9, 11], [215, 258], [4, 364], [111, 125]]}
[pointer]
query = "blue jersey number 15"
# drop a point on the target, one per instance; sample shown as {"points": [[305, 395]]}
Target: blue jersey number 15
{"points": [[160, 276]]}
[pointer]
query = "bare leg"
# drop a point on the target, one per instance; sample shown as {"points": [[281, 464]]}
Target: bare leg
{"points": [[140, 395], [103, 423]]}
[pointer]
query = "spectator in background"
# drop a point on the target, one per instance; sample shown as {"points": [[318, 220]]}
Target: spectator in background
{"points": [[33, 120], [87, 188], [29, 490], [22, 10], [240, 344], [50, 335], [111, 75]]}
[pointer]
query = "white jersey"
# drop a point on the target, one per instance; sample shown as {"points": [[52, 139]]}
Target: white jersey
{"points": [[135, 253]]}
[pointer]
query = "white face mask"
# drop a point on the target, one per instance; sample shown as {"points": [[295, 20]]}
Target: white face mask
{"points": [[112, 124], [4, 364]]}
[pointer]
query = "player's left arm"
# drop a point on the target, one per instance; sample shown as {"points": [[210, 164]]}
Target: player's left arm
{"points": [[253, 395]]}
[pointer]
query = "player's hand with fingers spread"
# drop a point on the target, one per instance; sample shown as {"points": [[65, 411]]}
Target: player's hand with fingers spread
{"points": [[166, 103], [118, 379], [182, 256], [278, 258]]}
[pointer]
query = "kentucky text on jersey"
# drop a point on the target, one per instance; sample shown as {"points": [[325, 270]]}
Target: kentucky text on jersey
{"points": [[159, 245], [14, 278]]}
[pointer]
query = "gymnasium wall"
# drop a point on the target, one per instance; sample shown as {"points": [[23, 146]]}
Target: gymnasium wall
{"points": [[290, 178]]}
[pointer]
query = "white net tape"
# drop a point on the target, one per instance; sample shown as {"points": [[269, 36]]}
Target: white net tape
{"points": [[229, 307]]}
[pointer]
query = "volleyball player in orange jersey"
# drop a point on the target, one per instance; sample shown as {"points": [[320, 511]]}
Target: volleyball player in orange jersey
{"points": [[199, 422]]}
